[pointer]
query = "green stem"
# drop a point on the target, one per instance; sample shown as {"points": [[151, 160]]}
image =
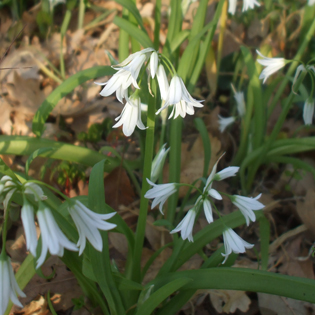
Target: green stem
{"points": [[148, 156], [63, 31], [81, 14]]}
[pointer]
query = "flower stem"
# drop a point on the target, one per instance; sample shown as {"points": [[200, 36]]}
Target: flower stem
{"points": [[148, 156]]}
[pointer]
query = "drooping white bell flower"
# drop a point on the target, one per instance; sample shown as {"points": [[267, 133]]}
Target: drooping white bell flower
{"points": [[224, 122], [162, 81], [232, 6], [158, 162], [181, 99], [154, 60], [128, 72], [130, 116], [35, 190], [250, 4], [308, 111], [240, 103], [88, 224], [185, 227], [28, 217], [160, 193], [53, 239], [233, 243], [247, 206], [311, 2], [272, 65], [9, 288]]}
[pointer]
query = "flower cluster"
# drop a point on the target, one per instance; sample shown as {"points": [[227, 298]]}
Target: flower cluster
{"points": [[247, 206], [87, 222], [274, 64], [174, 94]]}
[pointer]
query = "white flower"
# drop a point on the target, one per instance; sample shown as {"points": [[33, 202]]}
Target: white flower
{"points": [[233, 243], [232, 6], [118, 83], [225, 122], [88, 224], [132, 61], [208, 187], [226, 172], [27, 216], [240, 102], [9, 288], [154, 60], [35, 190], [160, 193], [272, 65], [311, 2], [158, 162], [186, 225], [53, 238], [308, 112], [179, 97], [130, 116], [207, 210], [250, 4], [163, 83], [247, 205]]}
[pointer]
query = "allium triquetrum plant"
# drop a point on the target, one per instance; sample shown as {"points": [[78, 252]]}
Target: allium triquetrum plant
{"points": [[75, 229]]}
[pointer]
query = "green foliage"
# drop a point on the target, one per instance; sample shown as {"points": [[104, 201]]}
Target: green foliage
{"points": [[96, 131]]}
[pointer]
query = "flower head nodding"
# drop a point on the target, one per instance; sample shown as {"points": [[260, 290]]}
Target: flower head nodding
{"points": [[233, 243], [28, 216], [130, 116], [185, 227], [224, 122], [158, 162], [250, 4], [160, 193], [127, 74], [308, 111], [53, 238], [247, 206], [240, 102], [88, 224], [179, 97], [9, 289], [272, 65]]}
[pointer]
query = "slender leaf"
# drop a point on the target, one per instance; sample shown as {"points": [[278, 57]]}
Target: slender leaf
{"points": [[20, 145], [101, 260], [134, 31], [34, 155], [161, 294], [244, 279], [131, 7]]}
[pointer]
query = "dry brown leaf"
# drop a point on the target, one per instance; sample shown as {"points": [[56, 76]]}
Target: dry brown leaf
{"points": [[294, 267], [64, 285], [38, 306], [118, 189], [228, 301], [119, 242], [276, 305]]}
